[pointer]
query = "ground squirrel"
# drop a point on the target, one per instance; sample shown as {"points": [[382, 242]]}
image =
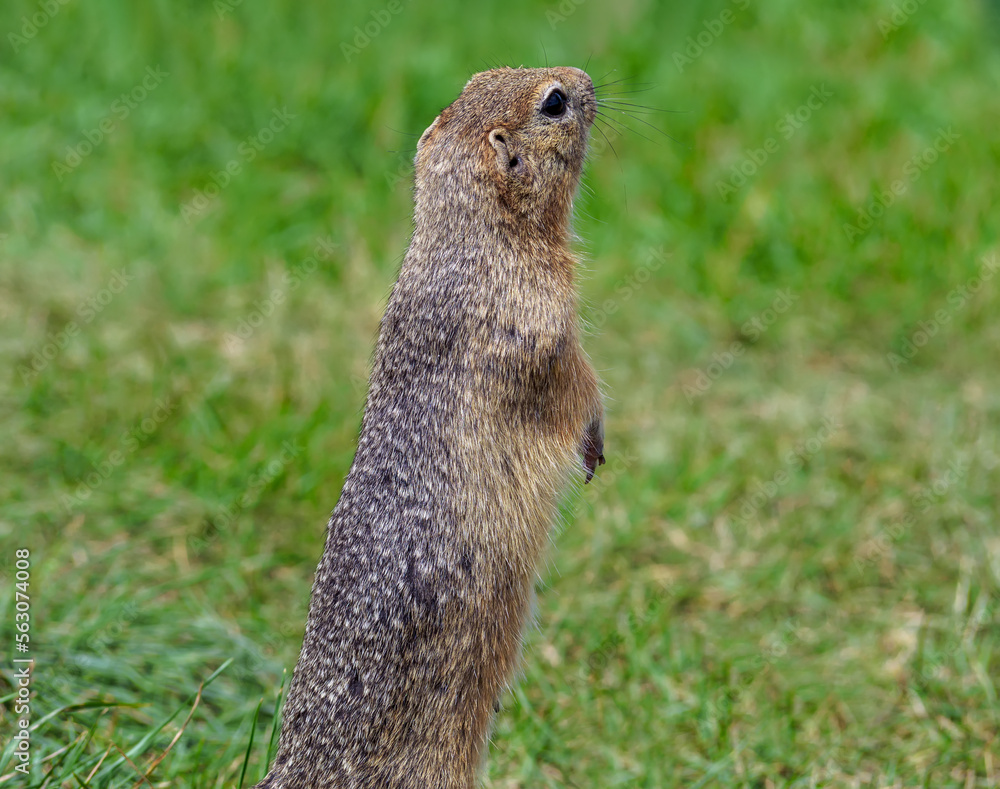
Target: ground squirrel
{"points": [[481, 402]]}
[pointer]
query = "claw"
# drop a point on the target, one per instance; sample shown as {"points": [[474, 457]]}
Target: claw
{"points": [[592, 448], [590, 464]]}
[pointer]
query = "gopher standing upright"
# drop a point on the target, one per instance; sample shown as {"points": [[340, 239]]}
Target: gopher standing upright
{"points": [[480, 404]]}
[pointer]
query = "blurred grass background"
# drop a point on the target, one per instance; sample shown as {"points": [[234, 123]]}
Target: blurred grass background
{"points": [[787, 574]]}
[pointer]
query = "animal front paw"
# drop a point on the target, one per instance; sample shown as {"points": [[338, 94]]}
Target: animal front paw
{"points": [[592, 448]]}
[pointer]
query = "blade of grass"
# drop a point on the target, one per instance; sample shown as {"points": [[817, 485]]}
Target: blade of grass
{"points": [[253, 729], [272, 745]]}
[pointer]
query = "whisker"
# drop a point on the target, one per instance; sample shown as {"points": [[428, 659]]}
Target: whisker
{"points": [[608, 141], [625, 83], [607, 75], [644, 122], [658, 130], [621, 93], [618, 81], [616, 104], [622, 127]]}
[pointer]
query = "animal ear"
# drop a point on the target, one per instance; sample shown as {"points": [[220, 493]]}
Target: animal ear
{"points": [[508, 158]]}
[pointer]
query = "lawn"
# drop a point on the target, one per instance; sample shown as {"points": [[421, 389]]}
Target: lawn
{"points": [[788, 573]]}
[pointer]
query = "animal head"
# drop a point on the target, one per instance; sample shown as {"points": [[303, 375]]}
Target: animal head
{"points": [[520, 134]]}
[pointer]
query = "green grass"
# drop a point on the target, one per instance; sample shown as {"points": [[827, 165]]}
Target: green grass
{"points": [[789, 573]]}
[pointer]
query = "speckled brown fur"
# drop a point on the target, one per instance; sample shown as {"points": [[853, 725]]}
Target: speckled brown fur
{"points": [[481, 402]]}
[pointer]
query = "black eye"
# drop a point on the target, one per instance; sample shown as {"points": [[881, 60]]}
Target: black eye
{"points": [[554, 104]]}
